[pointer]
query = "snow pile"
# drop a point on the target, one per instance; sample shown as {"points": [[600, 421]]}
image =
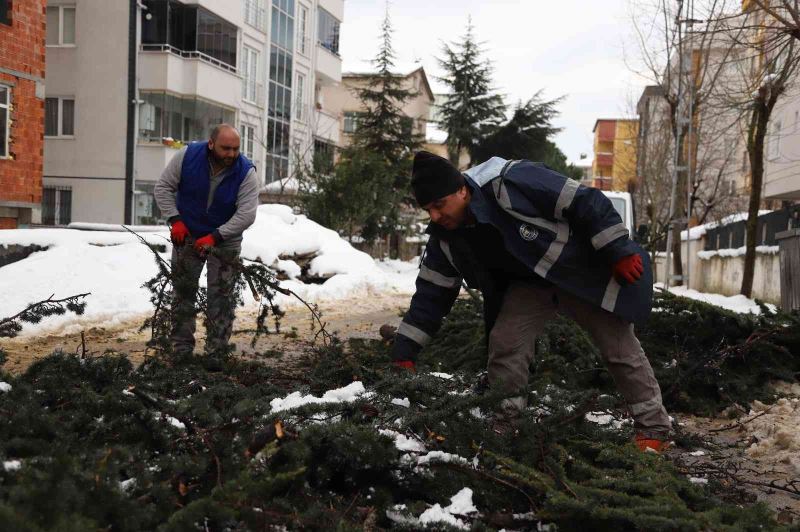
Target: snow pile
{"points": [[738, 303], [736, 252], [602, 418], [5, 387], [775, 433], [112, 265], [349, 393]]}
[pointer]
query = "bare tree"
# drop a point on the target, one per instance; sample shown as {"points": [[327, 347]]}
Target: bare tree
{"points": [[683, 53], [766, 72]]}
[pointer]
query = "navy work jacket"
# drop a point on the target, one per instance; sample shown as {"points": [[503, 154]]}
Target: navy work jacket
{"points": [[566, 233]]}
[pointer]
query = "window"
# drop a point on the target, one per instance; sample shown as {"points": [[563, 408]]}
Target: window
{"points": [[248, 141], [180, 118], [323, 156], [351, 121], [328, 31], [189, 31], [59, 117], [302, 30], [254, 13], [299, 94], [5, 120], [5, 12], [60, 26], [775, 141], [279, 107], [146, 209], [250, 73], [56, 205]]}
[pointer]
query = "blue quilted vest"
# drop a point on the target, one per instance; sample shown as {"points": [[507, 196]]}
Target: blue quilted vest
{"points": [[195, 185]]}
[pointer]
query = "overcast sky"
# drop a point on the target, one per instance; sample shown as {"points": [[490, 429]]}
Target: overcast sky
{"points": [[571, 48]]}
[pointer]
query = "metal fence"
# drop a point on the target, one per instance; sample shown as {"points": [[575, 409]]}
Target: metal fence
{"points": [[733, 235]]}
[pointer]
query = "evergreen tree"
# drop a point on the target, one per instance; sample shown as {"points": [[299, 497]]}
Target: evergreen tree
{"points": [[384, 128], [472, 110], [527, 135]]}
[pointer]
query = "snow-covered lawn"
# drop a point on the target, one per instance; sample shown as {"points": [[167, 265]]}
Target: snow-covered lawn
{"points": [[738, 303], [113, 265]]}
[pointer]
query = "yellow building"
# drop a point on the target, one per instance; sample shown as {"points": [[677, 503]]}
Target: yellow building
{"points": [[615, 143]]}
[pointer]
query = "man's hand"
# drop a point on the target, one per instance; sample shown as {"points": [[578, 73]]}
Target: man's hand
{"points": [[178, 233], [405, 365], [203, 243], [629, 268]]}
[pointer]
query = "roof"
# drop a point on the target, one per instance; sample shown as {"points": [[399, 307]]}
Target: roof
{"points": [[419, 69], [613, 120]]}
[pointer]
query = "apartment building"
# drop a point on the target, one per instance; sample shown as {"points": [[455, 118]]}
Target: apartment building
{"points": [[344, 103], [22, 66], [615, 141], [130, 82], [782, 153]]}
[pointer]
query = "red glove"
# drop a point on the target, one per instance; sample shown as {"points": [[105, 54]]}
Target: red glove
{"points": [[202, 244], [629, 269], [178, 233], [405, 364]]}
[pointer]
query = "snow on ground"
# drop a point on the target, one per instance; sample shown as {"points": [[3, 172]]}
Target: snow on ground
{"points": [[113, 265], [737, 303], [774, 431]]}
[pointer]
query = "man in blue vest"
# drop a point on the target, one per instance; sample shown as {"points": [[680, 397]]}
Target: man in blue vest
{"points": [[536, 244], [209, 194]]}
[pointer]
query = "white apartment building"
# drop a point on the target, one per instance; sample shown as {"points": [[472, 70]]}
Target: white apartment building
{"points": [[128, 82], [782, 153]]}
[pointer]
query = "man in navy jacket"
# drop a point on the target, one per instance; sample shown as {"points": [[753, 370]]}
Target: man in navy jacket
{"points": [[536, 244], [209, 194]]}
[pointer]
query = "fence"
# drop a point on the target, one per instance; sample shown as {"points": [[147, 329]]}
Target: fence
{"points": [[733, 235]]}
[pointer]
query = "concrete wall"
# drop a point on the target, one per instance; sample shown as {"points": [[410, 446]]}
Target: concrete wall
{"points": [[723, 275]]}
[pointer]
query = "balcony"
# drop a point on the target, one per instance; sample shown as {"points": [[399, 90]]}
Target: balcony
{"points": [[328, 66], [604, 159], [325, 126], [189, 73]]}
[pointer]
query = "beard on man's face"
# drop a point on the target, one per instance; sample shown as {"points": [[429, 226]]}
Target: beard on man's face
{"points": [[221, 159]]}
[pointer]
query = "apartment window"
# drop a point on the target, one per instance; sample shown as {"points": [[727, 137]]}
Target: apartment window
{"points": [[248, 141], [60, 26], [164, 115], [351, 119], [279, 107], [146, 209], [328, 31], [56, 205], [254, 13], [5, 12], [5, 120], [59, 117], [302, 30], [323, 156], [250, 73], [189, 31], [775, 141], [299, 95]]}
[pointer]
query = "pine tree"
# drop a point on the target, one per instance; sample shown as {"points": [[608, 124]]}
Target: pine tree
{"points": [[384, 128], [472, 110]]}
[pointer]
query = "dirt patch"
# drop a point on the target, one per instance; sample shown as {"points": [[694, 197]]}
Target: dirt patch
{"points": [[754, 451], [348, 318]]}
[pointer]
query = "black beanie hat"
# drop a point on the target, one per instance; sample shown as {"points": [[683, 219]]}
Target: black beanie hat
{"points": [[433, 177]]}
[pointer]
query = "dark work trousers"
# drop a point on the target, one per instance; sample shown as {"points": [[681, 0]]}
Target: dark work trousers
{"points": [[528, 307], [187, 265]]}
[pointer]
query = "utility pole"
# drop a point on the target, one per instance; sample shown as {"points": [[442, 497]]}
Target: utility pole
{"points": [[684, 104]]}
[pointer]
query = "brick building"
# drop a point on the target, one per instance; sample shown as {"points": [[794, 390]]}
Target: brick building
{"points": [[22, 60]]}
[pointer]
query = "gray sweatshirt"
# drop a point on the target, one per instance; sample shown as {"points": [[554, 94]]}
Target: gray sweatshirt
{"points": [[166, 191]]}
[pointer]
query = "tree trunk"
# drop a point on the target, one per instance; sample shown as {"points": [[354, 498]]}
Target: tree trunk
{"points": [[755, 148]]}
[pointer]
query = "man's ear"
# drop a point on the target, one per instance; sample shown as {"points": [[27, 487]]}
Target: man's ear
{"points": [[210, 144]]}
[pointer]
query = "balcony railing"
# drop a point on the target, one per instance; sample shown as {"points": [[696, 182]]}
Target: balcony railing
{"points": [[188, 55]]}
